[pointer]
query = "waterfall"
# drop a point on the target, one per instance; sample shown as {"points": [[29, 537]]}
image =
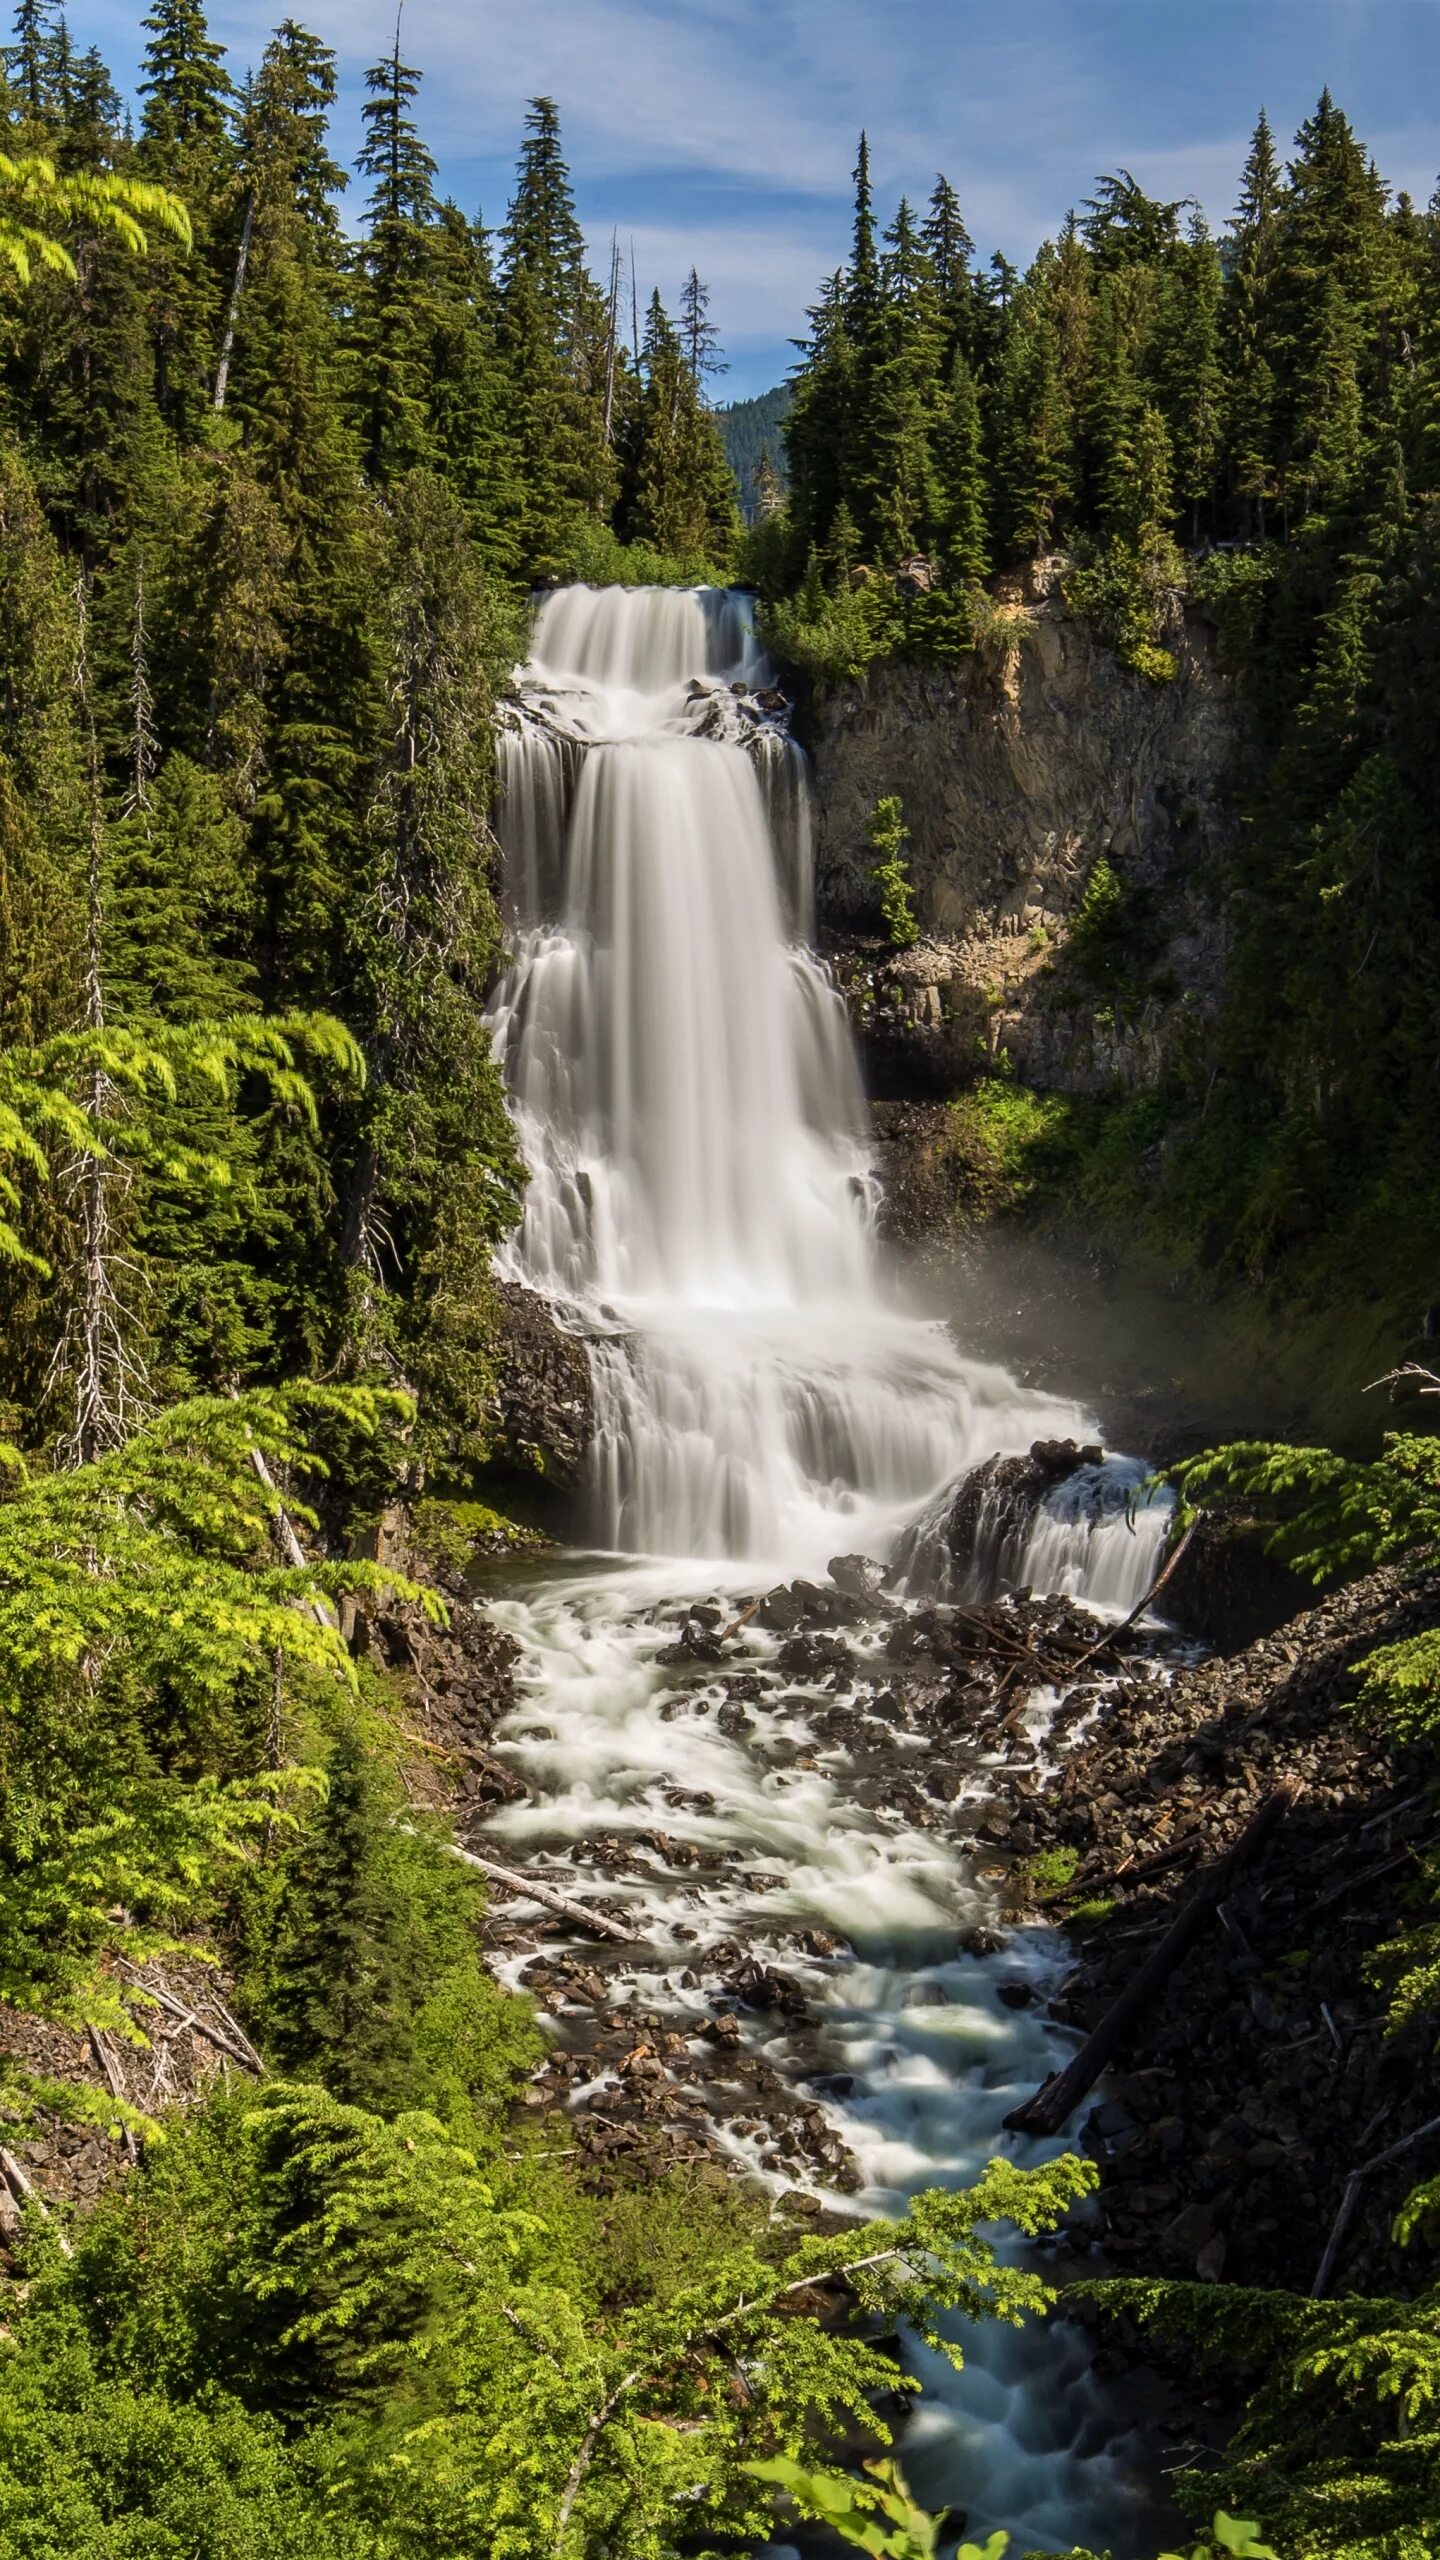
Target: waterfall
{"points": [[685, 1086], [701, 1210]]}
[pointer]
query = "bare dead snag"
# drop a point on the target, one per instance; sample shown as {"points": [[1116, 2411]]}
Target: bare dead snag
{"points": [[1351, 2198], [1056, 2099]]}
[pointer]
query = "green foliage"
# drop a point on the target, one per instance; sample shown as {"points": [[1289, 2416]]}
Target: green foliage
{"points": [[1012, 1146], [891, 873], [453, 2366], [363, 1964], [593, 555], [877, 2514], [38, 202], [141, 1624], [1050, 1870], [1337, 2454], [1329, 1516], [833, 636]]}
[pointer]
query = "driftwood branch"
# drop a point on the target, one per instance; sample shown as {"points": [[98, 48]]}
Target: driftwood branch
{"points": [[1056, 2099], [1131, 1870], [25, 2191], [113, 2083], [597, 1922], [1113, 1635], [1351, 2198], [239, 2050], [286, 1535]]}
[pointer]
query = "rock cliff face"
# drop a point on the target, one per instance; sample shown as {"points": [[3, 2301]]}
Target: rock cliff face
{"points": [[1019, 772]]}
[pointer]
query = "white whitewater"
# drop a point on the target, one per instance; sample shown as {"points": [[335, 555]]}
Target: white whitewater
{"points": [[688, 1102], [701, 1209]]}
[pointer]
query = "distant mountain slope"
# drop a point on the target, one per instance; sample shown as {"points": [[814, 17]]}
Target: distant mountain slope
{"points": [[750, 428]]}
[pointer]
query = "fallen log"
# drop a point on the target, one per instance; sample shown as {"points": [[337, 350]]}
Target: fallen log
{"points": [[1351, 2198], [1130, 1871], [597, 1922], [1056, 2098]]}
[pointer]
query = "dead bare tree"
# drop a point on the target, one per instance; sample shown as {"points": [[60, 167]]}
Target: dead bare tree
{"points": [[97, 1367]]}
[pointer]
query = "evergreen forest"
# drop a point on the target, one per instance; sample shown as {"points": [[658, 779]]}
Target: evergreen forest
{"points": [[285, 449]]}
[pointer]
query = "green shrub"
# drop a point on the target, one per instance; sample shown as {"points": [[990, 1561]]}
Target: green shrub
{"points": [[891, 873]]}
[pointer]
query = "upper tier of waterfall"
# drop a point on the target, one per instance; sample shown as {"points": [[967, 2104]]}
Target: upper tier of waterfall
{"points": [[687, 1099]]}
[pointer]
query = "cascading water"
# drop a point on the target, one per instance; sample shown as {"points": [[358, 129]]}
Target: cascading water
{"points": [[701, 1208], [689, 1105]]}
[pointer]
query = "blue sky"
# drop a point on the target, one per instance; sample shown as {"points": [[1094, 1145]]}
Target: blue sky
{"points": [[725, 132]]}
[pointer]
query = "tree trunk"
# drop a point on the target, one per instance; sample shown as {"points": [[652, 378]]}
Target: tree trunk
{"points": [[227, 343]]}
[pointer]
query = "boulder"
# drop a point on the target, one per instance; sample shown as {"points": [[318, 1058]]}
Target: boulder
{"points": [[542, 1409]]}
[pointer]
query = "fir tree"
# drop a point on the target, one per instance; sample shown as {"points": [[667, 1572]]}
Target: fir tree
{"points": [[1187, 363], [699, 337], [393, 322], [557, 341], [680, 493], [961, 479], [184, 84], [951, 250], [28, 61], [862, 295], [1247, 327]]}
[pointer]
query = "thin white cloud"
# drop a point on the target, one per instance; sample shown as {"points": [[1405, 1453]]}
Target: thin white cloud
{"points": [[754, 105]]}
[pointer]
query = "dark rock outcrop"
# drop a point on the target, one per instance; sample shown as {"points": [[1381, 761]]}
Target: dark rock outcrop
{"points": [[1226, 1589], [1019, 772], [970, 1541], [543, 1405]]}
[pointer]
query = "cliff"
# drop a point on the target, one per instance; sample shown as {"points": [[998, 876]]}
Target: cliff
{"points": [[1030, 774]]}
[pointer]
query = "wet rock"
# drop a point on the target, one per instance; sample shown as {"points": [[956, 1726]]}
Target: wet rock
{"points": [[970, 1543], [858, 1577], [1015, 1995], [780, 1611], [542, 1412]]}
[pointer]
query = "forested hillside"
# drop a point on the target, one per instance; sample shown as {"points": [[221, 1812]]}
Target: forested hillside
{"points": [[1250, 422], [278, 467], [755, 445]]}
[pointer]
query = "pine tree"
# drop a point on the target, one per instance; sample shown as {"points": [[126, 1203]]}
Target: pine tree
{"points": [[888, 481], [818, 426], [1247, 332], [558, 343], [862, 292], [392, 323], [1335, 277], [961, 479], [679, 494], [288, 174], [431, 1180], [185, 139], [699, 337], [770, 499], [183, 81], [951, 251], [28, 61], [1187, 363], [1034, 472]]}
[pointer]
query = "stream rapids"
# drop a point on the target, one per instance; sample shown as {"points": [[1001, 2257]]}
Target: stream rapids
{"points": [[701, 1212]]}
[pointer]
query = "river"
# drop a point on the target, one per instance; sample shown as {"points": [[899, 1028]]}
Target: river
{"points": [[701, 1208]]}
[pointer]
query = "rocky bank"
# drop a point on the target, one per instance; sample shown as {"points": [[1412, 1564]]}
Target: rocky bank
{"points": [[1020, 772]]}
